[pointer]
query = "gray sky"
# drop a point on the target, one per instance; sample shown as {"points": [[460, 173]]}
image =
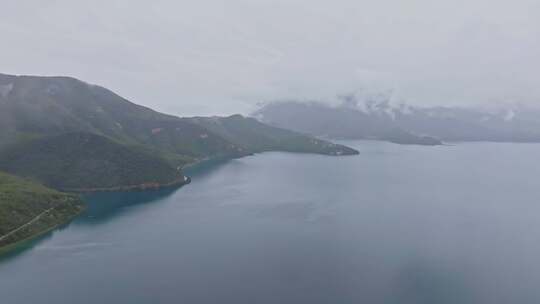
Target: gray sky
{"points": [[225, 56]]}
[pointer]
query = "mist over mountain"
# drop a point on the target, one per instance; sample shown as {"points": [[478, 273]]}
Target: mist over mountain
{"points": [[379, 117]]}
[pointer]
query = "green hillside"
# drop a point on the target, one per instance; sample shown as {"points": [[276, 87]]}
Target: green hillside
{"points": [[71, 135], [84, 161], [255, 136], [28, 209], [35, 107]]}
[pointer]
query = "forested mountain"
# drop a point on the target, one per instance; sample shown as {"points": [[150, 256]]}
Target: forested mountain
{"points": [[85, 161], [71, 135], [32, 107]]}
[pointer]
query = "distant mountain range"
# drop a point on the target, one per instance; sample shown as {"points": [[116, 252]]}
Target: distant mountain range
{"points": [[404, 124]]}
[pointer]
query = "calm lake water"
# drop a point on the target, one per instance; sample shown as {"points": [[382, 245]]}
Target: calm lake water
{"points": [[396, 224]]}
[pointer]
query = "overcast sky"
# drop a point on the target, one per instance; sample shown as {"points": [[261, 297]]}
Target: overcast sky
{"points": [[225, 56]]}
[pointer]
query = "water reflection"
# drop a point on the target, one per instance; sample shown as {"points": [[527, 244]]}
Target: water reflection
{"points": [[102, 207], [24, 246], [421, 281], [105, 206], [373, 229]]}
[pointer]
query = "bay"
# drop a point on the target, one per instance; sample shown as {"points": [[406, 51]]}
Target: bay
{"points": [[395, 224]]}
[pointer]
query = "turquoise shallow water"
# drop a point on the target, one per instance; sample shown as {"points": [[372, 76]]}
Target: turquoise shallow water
{"points": [[396, 224]]}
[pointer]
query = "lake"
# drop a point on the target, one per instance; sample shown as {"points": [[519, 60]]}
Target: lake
{"points": [[395, 224]]}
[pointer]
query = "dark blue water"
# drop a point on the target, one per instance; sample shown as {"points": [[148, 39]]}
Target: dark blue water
{"points": [[396, 224]]}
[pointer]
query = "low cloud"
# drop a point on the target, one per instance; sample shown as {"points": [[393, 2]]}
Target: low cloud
{"points": [[218, 57]]}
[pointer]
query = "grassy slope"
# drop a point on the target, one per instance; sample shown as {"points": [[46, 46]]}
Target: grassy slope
{"points": [[36, 107], [22, 201], [78, 161]]}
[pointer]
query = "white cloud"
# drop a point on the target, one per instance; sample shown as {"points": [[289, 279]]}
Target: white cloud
{"points": [[217, 56]]}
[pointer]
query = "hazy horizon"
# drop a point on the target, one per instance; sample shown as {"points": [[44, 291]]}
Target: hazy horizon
{"points": [[224, 57]]}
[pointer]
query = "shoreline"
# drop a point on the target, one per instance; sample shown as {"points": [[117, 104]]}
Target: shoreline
{"points": [[10, 247], [202, 161], [184, 180]]}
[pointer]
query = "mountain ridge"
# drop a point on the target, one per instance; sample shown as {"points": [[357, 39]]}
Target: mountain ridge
{"points": [[318, 119], [375, 119], [59, 115]]}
